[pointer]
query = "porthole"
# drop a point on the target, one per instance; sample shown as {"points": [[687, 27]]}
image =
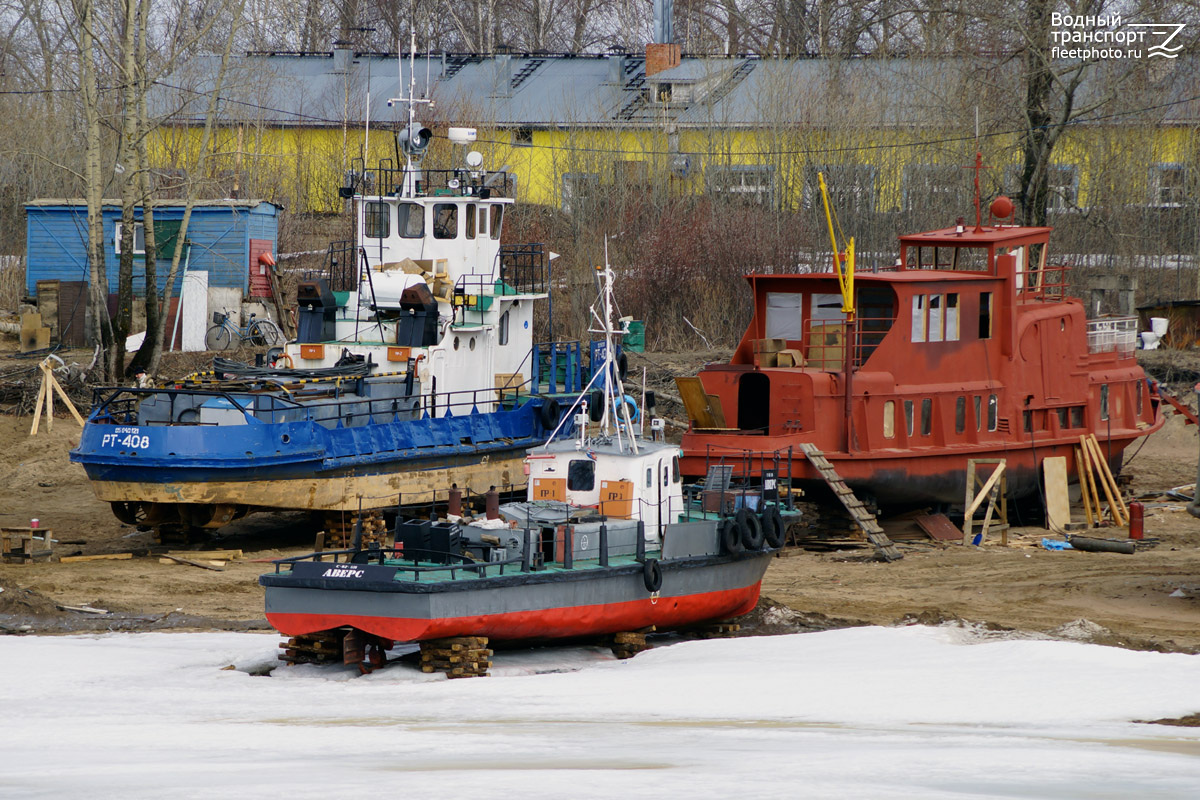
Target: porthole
{"points": [[455, 342]]}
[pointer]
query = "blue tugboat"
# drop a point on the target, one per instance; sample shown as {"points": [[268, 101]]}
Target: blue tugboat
{"points": [[415, 369]]}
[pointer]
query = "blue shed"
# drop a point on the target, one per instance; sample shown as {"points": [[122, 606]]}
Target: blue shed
{"points": [[226, 238]]}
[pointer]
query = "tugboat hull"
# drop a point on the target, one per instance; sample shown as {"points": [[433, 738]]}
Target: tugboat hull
{"points": [[553, 604]]}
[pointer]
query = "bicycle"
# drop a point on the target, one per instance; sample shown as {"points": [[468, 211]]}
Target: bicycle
{"points": [[259, 332]]}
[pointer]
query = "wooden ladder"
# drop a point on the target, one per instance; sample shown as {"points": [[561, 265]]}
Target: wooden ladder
{"points": [[858, 512]]}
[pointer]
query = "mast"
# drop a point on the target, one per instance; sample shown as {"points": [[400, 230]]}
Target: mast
{"points": [[414, 141], [614, 389]]}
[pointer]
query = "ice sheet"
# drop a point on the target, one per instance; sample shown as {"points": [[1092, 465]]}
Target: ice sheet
{"points": [[864, 712]]}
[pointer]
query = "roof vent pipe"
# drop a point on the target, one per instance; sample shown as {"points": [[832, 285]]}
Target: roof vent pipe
{"points": [[663, 11]]}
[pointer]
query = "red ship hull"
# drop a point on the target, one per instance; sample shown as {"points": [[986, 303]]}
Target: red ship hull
{"points": [[550, 623]]}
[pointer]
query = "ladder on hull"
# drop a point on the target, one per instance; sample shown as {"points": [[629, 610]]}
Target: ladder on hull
{"points": [[884, 547]]}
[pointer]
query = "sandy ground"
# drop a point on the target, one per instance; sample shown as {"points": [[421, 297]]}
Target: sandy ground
{"points": [[1150, 600]]}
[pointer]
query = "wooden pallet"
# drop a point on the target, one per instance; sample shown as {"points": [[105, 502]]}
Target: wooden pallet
{"points": [[884, 546]]}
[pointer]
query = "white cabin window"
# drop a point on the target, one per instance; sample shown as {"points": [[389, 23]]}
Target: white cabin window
{"points": [[497, 216], [376, 220], [952, 317], [410, 220], [139, 238], [503, 332], [445, 221], [918, 318], [649, 477], [471, 221], [935, 318], [785, 316]]}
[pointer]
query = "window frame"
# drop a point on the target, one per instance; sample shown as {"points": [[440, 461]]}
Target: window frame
{"points": [[138, 227], [372, 217], [403, 230]]}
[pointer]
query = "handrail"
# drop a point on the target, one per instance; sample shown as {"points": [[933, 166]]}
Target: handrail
{"points": [[434, 404]]}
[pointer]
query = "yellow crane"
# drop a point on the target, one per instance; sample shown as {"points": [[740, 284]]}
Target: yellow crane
{"points": [[843, 257], [843, 264]]}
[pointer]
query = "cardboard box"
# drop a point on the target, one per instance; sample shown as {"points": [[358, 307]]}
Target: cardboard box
{"points": [[769, 345], [789, 358], [763, 360]]}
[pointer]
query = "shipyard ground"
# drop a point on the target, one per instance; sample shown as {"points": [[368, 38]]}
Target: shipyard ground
{"points": [[1149, 600]]}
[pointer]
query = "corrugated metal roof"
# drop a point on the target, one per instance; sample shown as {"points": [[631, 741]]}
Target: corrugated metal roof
{"points": [[43, 202], [561, 91]]}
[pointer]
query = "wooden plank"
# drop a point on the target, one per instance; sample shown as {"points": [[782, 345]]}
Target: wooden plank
{"points": [[1111, 492], [37, 411], [939, 527], [695, 402], [102, 557], [1106, 473], [217, 555], [215, 566], [1080, 468], [1091, 481], [1058, 502], [984, 490]]}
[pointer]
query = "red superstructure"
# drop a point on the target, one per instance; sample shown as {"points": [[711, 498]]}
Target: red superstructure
{"points": [[966, 348]]}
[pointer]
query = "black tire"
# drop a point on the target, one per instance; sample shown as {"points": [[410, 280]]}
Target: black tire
{"points": [[130, 513], [731, 537], [596, 405], [652, 575], [622, 366], [549, 413], [772, 527], [218, 338], [265, 333], [750, 529]]}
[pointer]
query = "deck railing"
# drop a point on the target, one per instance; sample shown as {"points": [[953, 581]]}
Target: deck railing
{"points": [[1112, 335]]}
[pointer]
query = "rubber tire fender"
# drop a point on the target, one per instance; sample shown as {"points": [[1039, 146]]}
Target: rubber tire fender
{"points": [[549, 413], [652, 575], [596, 405], [731, 536], [622, 366], [772, 527], [750, 529]]}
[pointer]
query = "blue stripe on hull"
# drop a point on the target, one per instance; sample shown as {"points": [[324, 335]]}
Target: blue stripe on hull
{"points": [[265, 451]]}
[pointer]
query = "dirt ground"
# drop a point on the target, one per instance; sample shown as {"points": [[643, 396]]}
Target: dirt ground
{"points": [[1149, 600]]}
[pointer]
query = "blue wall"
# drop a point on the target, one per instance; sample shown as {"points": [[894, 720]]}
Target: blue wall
{"points": [[56, 243]]}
